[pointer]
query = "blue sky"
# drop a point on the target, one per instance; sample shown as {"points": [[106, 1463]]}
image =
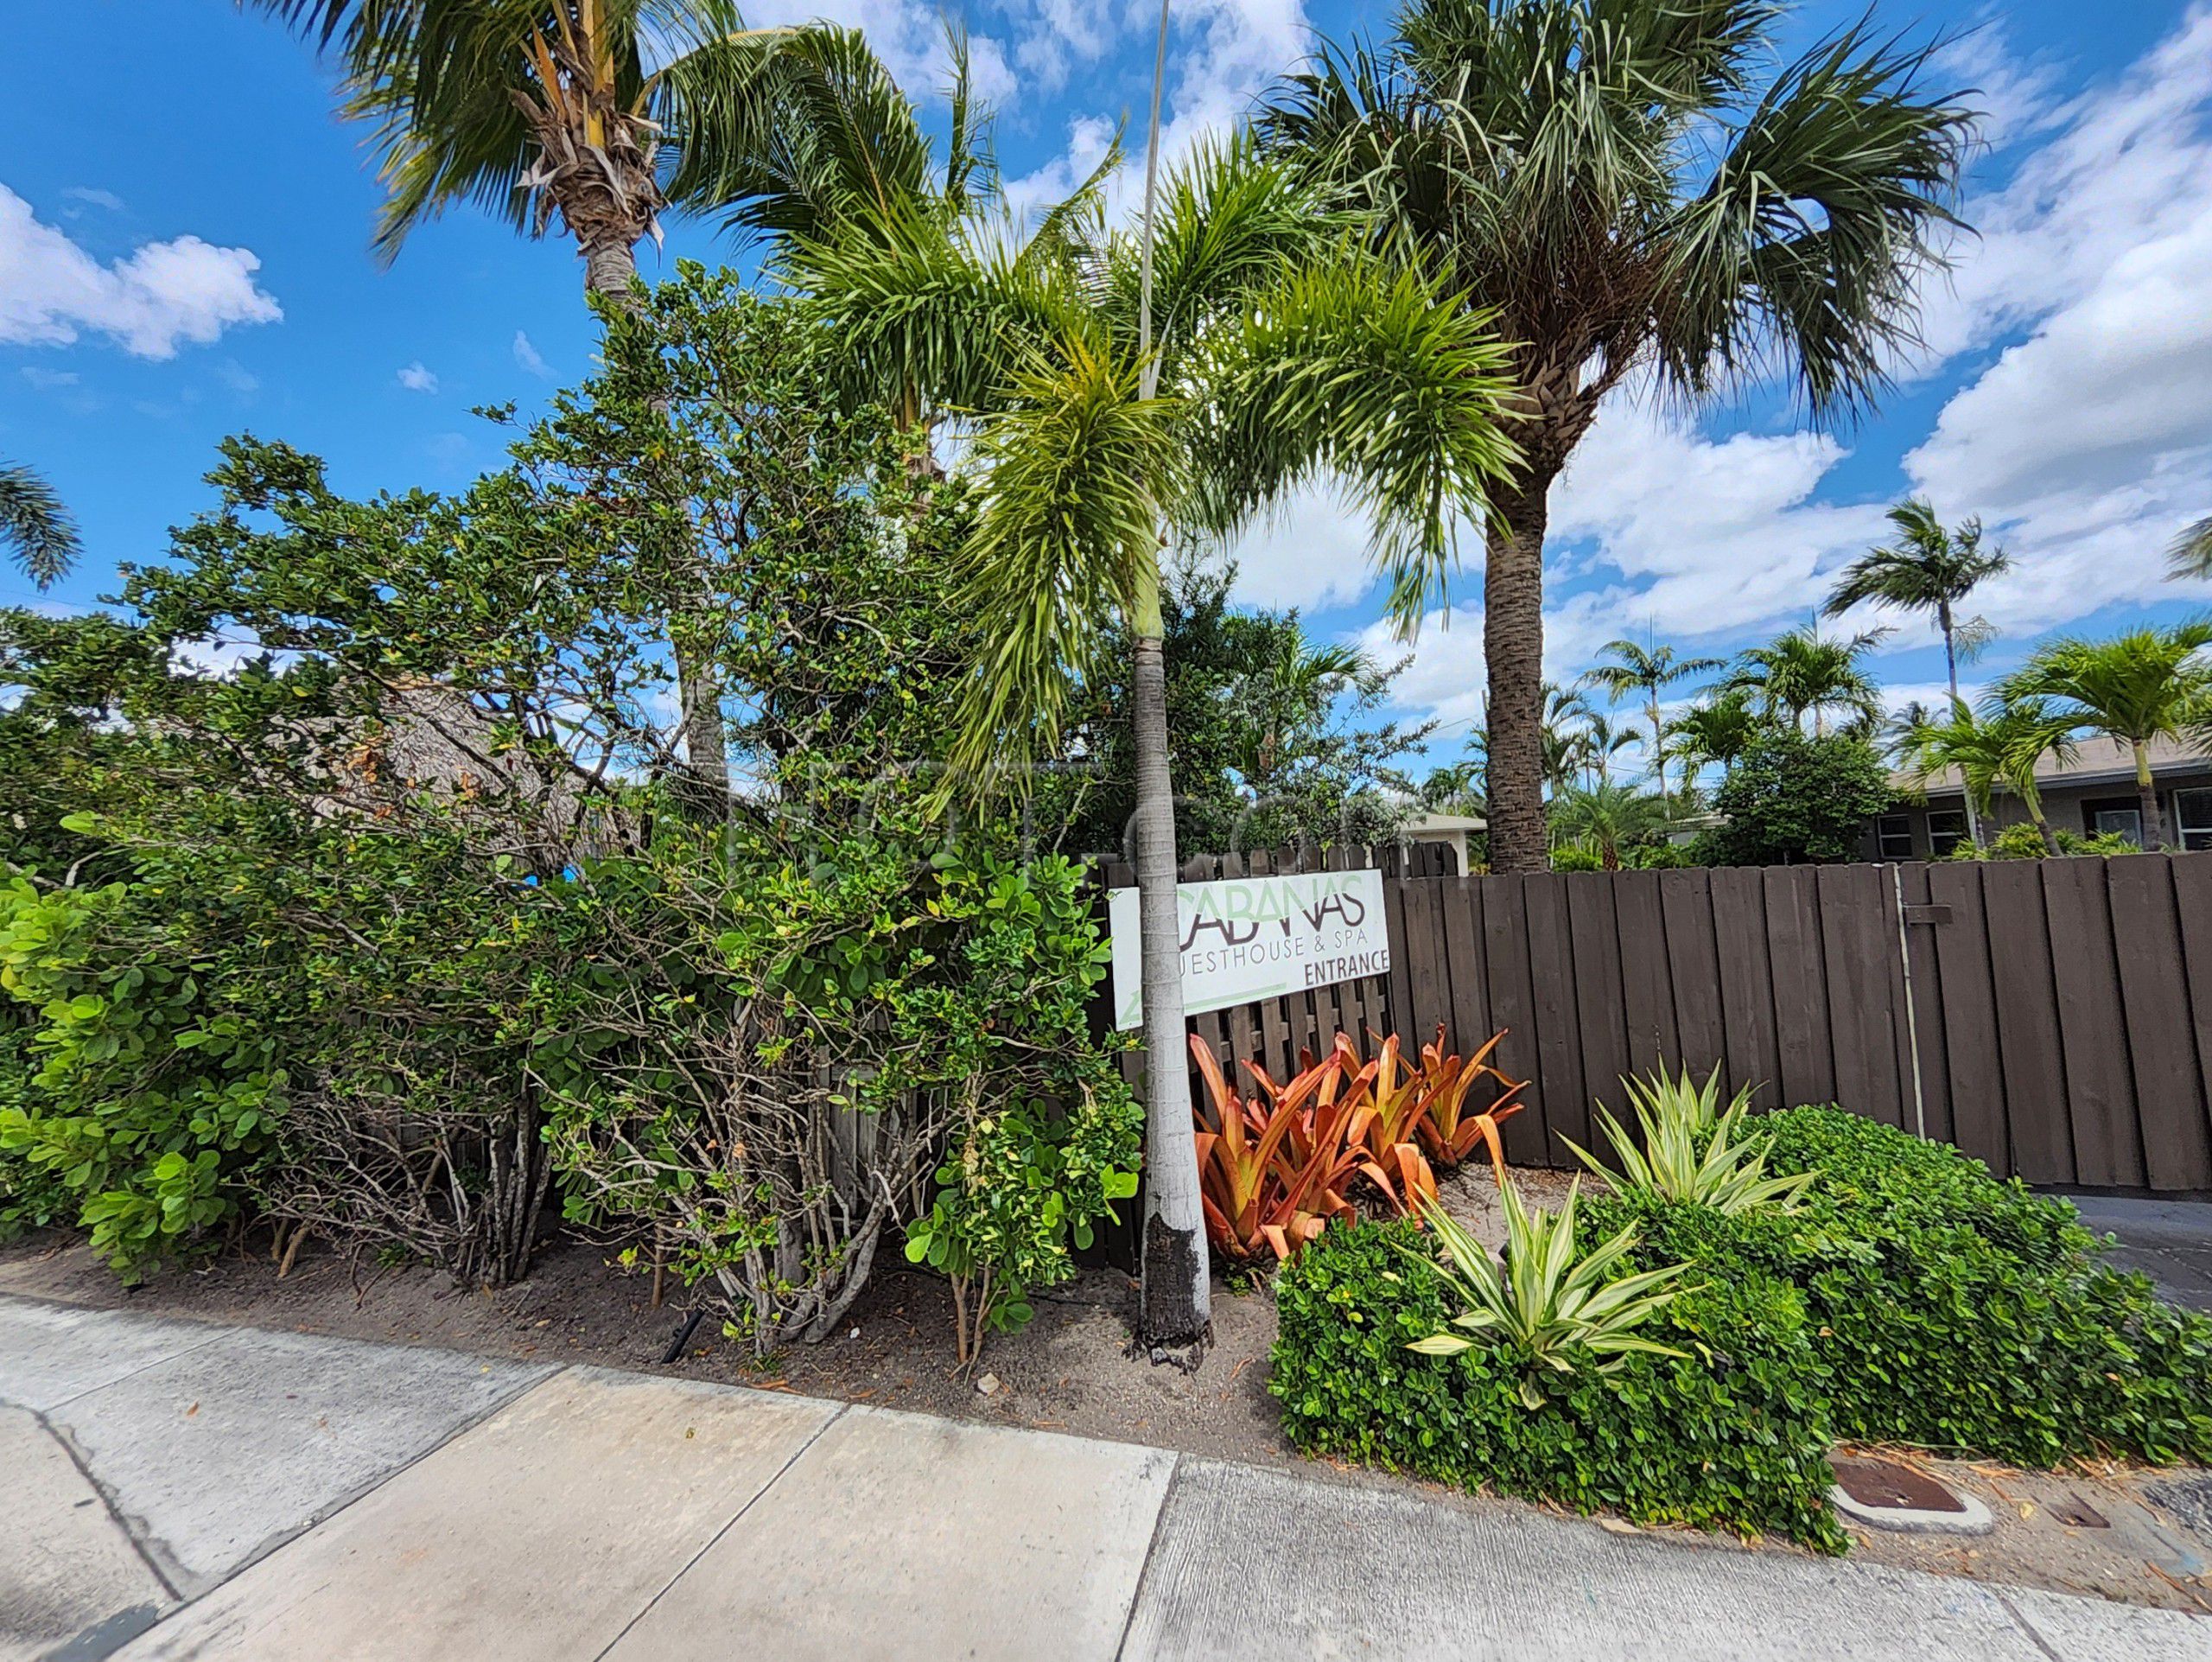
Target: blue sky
{"points": [[184, 229]]}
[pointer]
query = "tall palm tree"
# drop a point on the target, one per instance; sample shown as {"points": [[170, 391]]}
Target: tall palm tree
{"points": [[603, 112], [1636, 195], [1601, 743], [1927, 569], [34, 527], [1649, 670], [2002, 746], [2148, 684], [1119, 416], [2191, 553], [1802, 671], [1716, 731]]}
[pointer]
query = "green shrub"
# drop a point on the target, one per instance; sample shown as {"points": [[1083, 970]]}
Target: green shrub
{"points": [[1731, 1435], [145, 1098], [1688, 1148], [2025, 841], [1950, 1310]]}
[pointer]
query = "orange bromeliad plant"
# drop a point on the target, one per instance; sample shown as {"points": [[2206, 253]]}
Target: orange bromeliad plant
{"points": [[1275, 1166]]}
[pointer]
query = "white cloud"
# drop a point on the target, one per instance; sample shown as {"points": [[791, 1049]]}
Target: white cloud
{"points": [[1311, 552], [163, 294], [49, 380], [907, 34], [94, 198], [528, 356], [417, 378], [1089, 137], [2089, 443]]}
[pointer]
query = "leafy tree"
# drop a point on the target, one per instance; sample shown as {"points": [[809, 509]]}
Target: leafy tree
{"points": [[604, 113], [2148, 684], [1801, 671], [2002, 747], [1648, 671], [1792, 798], [1635, 192], [1281, 348], [34, 527], [1927, 569]]}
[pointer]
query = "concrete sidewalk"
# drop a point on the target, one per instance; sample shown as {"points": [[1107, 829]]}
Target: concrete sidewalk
{"points": [[187, 1491]]}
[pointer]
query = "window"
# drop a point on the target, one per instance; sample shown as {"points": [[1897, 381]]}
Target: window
{"points": [[1946, 828], [2193, 818], [2123, 822], [1893, 833]]}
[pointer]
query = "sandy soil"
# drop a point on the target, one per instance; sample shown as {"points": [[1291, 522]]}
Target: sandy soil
{"points": [[1069, 1372]]}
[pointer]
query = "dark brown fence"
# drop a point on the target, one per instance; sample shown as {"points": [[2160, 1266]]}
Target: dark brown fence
{"points": [[2053, 1018]]}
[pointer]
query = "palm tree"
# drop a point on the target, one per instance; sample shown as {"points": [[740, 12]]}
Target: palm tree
{"points": [[1292, 690], [2004, 746], [603, 112], [1801, 671], [1636, 195], [34, 527], [2148, 684], [1601, 743], [2191, 553], [1649, 670], [1454, 788], [1605, 816], [1927, 569], [1716, 731], [1283, 348]]}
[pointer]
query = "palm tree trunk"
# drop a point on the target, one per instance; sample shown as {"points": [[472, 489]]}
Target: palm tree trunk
{"points": [[2146, 792], [1513, 649], [1658, 747], [2034, 806], [610, 266], [1951, 669], [1176, 1307]]}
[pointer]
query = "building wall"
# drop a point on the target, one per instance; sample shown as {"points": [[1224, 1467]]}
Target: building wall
{"points": [[2068, 806]]}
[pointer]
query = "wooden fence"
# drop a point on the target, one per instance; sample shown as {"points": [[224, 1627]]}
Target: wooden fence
{"points": [[2053, 1018]]}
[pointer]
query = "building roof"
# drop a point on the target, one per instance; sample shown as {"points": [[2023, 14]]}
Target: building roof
{"points": [[1437, 825], [2096, 761]]}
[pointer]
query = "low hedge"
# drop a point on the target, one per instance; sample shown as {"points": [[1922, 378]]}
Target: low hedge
{"points": [[1949, 1310], [1731, 1436]]}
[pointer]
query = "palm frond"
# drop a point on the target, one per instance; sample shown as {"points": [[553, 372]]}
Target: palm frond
{"points": [[35, 527]]}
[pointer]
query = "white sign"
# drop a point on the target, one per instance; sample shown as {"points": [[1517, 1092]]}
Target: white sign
{"points": [[1246, 939]]}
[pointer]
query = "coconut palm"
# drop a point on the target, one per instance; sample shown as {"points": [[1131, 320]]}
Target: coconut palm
{"points": [[2148, 684], [605, 112], [1648, 669], [1927, 569], [2191, 553], [1802, 671], [1640, 198], [1716, 731], [34, 527], [2002, 746], [1284, 348], [1603, 818]]}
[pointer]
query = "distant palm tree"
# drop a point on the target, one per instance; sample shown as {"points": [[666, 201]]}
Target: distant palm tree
{"points": [[1454, 788], [34, 527], [1289, 692], [1648, 669], [1801, 671], [1927, 569], [1605, 817], [1635, 188], [2148, 684], [2003, 746], [1601, 743], [2191, 553], [1716, 731]]}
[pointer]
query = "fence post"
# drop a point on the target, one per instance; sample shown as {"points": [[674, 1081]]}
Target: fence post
{"points": [[1911, 1014]]}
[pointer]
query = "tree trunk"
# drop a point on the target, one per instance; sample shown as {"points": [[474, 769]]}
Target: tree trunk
{"points": [[1513, 649], [2146, 792], [1951, 670], [609, 268], [1177, 1302], [2043, 826]]}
